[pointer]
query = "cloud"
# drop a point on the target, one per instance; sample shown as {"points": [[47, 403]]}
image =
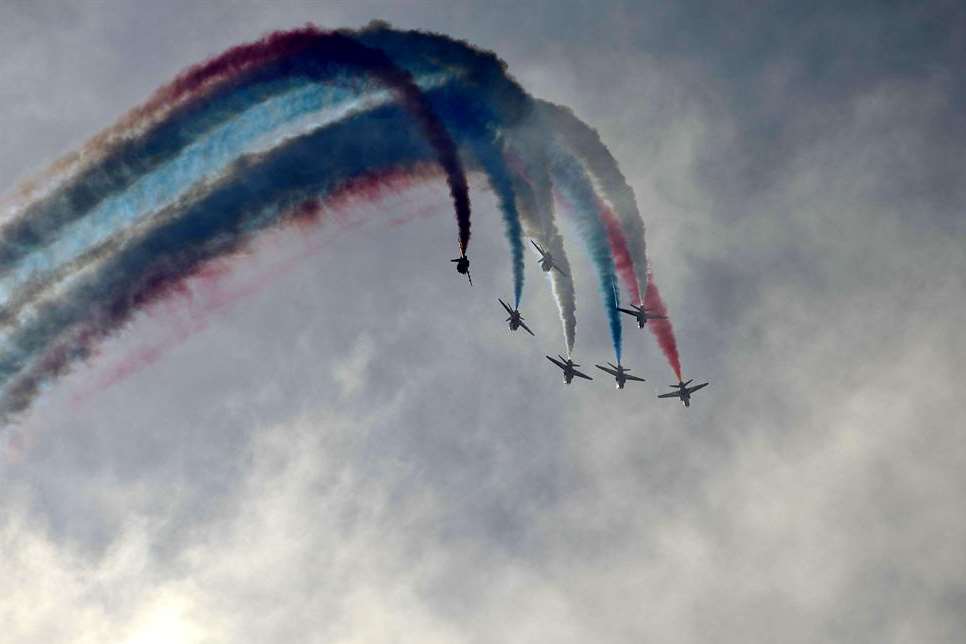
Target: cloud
{"points": [[803, 207]]}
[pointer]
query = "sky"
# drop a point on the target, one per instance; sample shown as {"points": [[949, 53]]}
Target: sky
{"points": [[350, 447]]}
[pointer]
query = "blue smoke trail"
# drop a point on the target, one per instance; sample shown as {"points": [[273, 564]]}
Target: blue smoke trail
{"points": [[572, 180], [494, 103], [475, 126]]}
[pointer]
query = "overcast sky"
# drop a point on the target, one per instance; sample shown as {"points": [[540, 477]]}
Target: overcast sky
{"points": [[358, 451]]}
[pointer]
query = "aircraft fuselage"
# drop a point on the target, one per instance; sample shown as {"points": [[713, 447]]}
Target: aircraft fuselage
{"points": [[685, 396]]}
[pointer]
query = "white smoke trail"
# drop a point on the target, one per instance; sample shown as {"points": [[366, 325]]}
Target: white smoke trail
{"points": [[584, 142], [537, 214]]}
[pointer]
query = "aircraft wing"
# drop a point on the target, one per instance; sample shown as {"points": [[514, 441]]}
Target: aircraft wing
{"points": [[537, 246], [582, 375], [557, 362], [508, 309], [527, 329], [469, 277], [560, 271], [693, 389], [673, 394], [629, 377], [610, 371], [628, 311]]}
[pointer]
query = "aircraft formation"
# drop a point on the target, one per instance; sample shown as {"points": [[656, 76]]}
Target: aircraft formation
{"points": [[229, 149], [621, 374]]}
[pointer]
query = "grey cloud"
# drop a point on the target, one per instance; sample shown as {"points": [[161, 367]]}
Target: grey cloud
{"points": [[325, 461]]}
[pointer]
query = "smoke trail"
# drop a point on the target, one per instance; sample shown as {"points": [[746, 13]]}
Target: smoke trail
{"points": [[475, 124], [209, 290], [270, 121], [574, 183], [528, 159], [523, 136], [618, 246], [449, 101], [147, 268], [662, 329], [584, 141], [99, 289], [492, 161], [236, 80], [498, 104], [146, 265]]}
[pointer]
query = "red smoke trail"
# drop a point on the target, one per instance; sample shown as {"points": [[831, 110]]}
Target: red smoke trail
{"points": [[622, 255], [207, 291], [662, 329]]}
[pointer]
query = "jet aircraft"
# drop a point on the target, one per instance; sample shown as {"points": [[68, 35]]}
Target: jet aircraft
{"points": [[463, 266], [641, 314], [515, 319], [620, 374], [546, 259], [568, 368], [683, 391]]}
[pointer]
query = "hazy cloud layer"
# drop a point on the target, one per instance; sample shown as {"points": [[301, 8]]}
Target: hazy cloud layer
{"points": [[360, 452]]}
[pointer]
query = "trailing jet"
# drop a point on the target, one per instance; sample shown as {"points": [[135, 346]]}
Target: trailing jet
{"points": [[546, 259], [568, 368], [683, 391], [641, 314], [463, 266], [515, 319], [620, 374]]}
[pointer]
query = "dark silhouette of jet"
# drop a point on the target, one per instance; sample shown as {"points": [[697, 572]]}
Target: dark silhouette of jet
{"points": [[515, 319], [568, 368], [641, 315], [619, 373], [463, 266], [684, 392]]}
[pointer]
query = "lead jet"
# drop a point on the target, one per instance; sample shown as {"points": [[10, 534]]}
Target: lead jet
{"points": [[546, 259], [463, 266], [640, 313], [568, 368], [515, 319], [620, 374], [683, 391]]}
